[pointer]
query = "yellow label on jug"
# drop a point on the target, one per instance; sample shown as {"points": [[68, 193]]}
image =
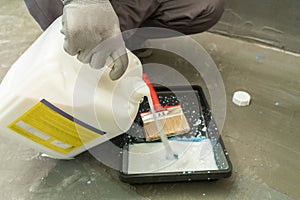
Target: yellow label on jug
{"points": [[53, 128]]}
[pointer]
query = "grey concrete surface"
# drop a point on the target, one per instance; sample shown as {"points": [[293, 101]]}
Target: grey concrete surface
{"points": [[275, 23], [262, 139]]}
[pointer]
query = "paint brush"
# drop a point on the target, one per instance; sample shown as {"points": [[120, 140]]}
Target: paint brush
{"points": [[171, 118]]}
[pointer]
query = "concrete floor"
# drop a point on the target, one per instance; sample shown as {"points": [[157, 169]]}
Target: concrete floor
{"points": [[262, 139]]}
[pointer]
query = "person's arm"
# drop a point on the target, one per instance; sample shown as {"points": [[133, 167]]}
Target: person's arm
{"points": [[92, 32]]}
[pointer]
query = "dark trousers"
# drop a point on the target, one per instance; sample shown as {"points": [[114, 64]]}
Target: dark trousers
{"points": [[185, 16]]}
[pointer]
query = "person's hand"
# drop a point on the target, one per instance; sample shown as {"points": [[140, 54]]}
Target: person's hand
{"points": [[87, 24]]}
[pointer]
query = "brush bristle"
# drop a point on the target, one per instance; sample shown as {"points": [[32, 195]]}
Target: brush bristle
{"points": [[172, 124]]}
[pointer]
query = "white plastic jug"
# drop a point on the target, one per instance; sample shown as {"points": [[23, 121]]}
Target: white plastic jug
{"points": [[55, 104]]}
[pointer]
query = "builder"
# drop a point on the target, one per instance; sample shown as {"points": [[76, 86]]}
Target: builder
{"points": [[87, 23]]}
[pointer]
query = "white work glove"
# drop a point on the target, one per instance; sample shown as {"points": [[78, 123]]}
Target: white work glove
{"points": [[86, 24]]}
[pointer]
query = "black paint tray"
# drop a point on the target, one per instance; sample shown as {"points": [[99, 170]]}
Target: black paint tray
{"points": [[202, 154]]}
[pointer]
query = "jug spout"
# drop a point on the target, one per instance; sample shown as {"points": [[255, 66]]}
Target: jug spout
{"points": [[141, 90]]}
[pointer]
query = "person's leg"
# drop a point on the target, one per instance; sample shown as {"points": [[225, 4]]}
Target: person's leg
{"points": [[44, 11], [131, 14], [187, 17]]}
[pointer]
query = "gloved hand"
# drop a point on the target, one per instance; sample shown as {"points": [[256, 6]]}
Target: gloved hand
{"points": [[87, 24]]}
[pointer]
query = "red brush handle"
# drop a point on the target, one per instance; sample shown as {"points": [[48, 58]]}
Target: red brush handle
{"points": [[153, 94]]}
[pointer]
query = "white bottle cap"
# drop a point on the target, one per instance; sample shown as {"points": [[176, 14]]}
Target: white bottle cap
{"points": [[241, 98]]}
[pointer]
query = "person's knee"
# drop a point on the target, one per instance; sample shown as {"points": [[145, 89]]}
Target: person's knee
{"points": [[215, 9], [201, 15]]}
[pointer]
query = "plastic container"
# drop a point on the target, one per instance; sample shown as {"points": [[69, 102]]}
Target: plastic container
{"points": [[55, 104], [203, 142]]}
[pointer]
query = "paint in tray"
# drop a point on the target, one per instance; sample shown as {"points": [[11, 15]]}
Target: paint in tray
{"points": [[200, 151]]}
